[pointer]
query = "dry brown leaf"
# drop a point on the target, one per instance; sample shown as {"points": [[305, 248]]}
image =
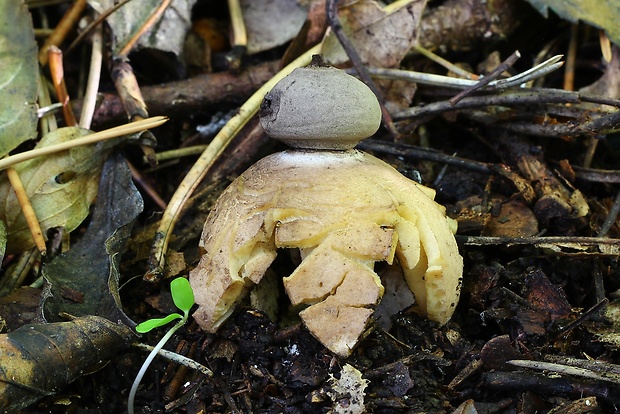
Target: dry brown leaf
{"points": [[271, 23], [515, 219], [381, 39]]}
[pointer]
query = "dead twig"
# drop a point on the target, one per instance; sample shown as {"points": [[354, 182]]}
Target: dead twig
{"points": [[611, 217], [68, 21], [560, 245], [567, 370], [497, 72], [594, 310], [202, 93], [597, 176], [95, 23], [511, 97], [27, 210], [411, 151], [536, 72], [179, 359], [58, 78], [153, 18], [240, 37], [94, 75]]}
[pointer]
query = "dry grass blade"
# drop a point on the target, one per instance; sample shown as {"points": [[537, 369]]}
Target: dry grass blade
{"points": [[154, 18], [94, 75], [560, 245], [567, 370], [27, 210], [115, 132], [535, 72]]}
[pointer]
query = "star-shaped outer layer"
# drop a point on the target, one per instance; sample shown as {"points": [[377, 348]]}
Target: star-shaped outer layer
{"points": [[345, 210]]}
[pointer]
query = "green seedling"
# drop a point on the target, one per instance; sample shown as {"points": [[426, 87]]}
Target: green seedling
{"points": [[183, 298]]}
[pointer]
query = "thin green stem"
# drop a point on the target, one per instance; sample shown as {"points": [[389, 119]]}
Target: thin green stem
{"points": [[149, 359]]}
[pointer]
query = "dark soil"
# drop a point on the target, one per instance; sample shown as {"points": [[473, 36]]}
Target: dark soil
{"points": [[524, 297]]}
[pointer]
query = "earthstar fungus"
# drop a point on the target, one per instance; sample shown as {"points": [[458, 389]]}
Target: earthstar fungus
{"points": [[342, 208]]}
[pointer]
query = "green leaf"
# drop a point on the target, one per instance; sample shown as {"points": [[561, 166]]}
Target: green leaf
{"points": [[182, 294], [151, 324], [601, 14], [18, 76]]}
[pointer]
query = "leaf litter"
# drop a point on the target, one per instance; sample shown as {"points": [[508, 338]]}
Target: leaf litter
{"points": [[536, 280]]}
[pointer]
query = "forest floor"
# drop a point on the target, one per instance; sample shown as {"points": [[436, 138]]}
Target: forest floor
{"points": [[531, 178]]}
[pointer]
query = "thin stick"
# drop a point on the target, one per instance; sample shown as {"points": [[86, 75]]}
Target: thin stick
{"points": [[496, 73], [58, 78], [565, 369], [446, 64], [63, 27], [141, 182], [571, 58], [27, 210], [594, 310], [525, 96], [611, 217], [94, 74], [118, 131], [240, 37], [153, 18], [535, 72], [605, 246], [180, 152], [178, 358], [206, 161], [95, 23]]}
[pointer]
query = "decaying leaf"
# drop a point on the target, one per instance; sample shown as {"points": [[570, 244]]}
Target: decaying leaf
{"points": [[90, 269], [61, 188], [167, 35], [514, 219], [38, 360], [259, 17], [18, 76], [348, 391], [381, 39]]}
